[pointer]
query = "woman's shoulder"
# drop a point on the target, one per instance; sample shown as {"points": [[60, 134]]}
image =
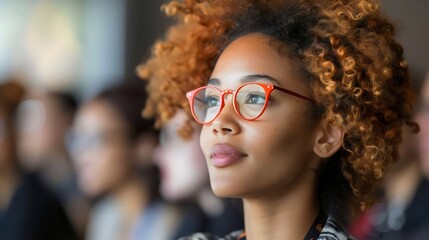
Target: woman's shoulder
{"points": [[332, 230], [207, 236]]}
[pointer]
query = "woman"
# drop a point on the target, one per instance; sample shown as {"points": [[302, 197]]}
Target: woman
{"points": [[112, 148], [28, 209], [44, 119], [302, 104]]}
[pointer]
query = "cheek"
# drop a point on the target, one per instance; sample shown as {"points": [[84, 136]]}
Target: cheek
{"points": [[102, 169], [278, 154], [187, 162], [117, 164], [283, 135], [184, 171], [278, 150]]}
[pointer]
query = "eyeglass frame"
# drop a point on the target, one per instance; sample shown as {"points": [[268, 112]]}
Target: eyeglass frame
{"points": [[268, 88]]}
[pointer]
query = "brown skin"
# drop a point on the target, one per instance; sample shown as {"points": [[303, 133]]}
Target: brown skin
{"points": [[276, 178]]}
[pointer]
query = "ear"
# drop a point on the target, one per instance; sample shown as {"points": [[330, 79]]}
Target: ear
{"points": [[328, 140]]}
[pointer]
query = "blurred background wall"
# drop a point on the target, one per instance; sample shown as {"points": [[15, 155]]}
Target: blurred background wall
{"points": [[83, 46], [412, 27], [76, 45]]}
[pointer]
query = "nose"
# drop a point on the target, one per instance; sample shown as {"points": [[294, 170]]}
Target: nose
{"points": [[226, 122]]}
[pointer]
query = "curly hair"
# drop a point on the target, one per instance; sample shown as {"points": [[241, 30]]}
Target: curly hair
{"points": [[354, 67]]}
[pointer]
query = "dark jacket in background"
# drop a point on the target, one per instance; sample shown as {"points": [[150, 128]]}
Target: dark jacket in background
{"points": [[34, 214], [195, 220]]}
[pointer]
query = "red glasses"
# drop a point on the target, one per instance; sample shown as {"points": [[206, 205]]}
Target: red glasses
{"points": [[250, 101]]}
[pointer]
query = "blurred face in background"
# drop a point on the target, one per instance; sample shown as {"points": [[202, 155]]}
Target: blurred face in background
{"points": [[101, 148], [181, 162], [42, 129], [423, 120]]}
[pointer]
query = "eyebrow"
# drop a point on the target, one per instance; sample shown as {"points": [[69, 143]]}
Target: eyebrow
{"points": [[258, 78], [213, 81], [247, 79]]}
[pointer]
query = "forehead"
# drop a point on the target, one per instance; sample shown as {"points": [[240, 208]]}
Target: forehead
{"points": [[98, 115], [255, 54]]}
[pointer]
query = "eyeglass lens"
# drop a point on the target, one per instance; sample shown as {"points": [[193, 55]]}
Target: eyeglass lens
{"points": [[249, 100]]}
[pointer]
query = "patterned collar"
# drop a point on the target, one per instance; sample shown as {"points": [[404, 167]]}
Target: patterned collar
{"points": [[331, 230], [312, 234]]}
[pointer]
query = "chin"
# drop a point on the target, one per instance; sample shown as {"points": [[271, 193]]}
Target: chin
{"points": [[225, 183], [226, 190]]}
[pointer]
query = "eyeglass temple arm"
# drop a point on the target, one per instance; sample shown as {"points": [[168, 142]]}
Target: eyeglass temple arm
{"points": [[294, 94]]}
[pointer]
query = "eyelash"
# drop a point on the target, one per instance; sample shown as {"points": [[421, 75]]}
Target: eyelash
{"points": [[271, 100]]}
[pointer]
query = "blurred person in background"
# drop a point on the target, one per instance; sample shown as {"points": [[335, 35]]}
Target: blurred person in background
{"points": [[185, 180], [423, 119], [28, 209], [403, 212], [112, 148], [44, 118]]}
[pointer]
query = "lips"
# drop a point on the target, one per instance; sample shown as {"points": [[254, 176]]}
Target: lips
{"points": [[223, 155]]}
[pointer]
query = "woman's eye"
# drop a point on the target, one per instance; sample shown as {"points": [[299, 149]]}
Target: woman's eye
{"points": [[212, 101], [255, 99]]}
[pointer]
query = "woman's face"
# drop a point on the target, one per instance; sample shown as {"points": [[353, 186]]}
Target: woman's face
{"points": [[182, 165], [42, 127], [101, 149], [268, 154]]}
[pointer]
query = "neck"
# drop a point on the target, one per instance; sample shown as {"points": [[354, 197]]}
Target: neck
{"points": [[57, 170], [286, 212], [132, 196]]}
